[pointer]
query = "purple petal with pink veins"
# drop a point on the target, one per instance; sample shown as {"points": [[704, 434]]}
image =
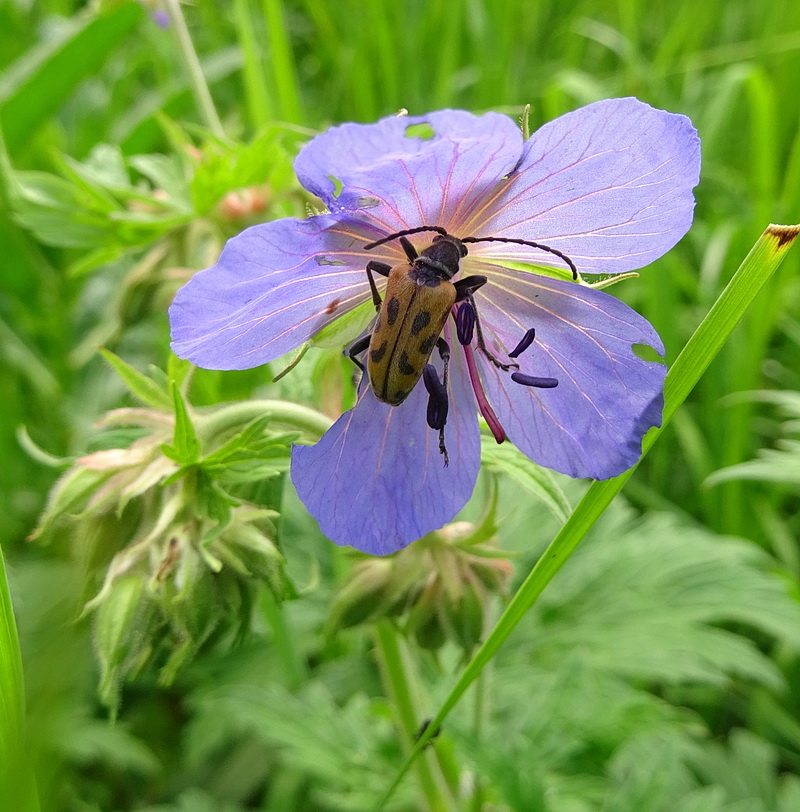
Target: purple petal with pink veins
{"points": [[274, 286], [396, 181], [609, 185], [592, 423], [376, 480]]}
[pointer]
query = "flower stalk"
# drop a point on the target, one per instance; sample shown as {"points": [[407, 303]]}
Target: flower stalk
{"points": [[403, 690], [202, 94]]}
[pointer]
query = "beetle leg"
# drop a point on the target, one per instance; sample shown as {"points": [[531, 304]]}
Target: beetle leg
{"points": [[384, 270], [467, 285], [482, 342], [408, 247], [357, 347]]}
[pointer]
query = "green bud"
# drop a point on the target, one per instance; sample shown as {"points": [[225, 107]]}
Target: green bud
{"points": [[465, 619], [363, 595], [116, 616]]}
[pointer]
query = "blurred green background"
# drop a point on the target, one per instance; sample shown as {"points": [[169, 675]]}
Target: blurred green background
{"points": [[661, 669]]}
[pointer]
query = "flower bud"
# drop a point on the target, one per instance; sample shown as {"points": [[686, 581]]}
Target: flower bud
{"points": [[363, 595]]}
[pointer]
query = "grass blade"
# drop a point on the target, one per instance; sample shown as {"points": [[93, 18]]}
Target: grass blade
{"points": [[42, 87], [759, 265], [17, 787]]}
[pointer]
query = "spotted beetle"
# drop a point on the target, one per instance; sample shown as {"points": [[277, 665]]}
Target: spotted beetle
{"points": [[418, 298]]}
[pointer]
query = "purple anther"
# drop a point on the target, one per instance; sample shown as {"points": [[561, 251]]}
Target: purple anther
{"points": [[465, 323], [524, 343], [532, 380]]}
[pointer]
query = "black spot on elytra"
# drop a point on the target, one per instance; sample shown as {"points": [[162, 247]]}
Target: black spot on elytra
{"points": [[405, 367], [421, 321], [427, 345], [393, 309], [377, 355], [400, 395]]}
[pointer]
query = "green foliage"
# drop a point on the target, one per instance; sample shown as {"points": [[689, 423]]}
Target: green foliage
{"points": [[658, 671], [645, 606]]}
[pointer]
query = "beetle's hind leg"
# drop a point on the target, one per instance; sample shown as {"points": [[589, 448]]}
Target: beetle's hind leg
{"points": [[438, 403]]}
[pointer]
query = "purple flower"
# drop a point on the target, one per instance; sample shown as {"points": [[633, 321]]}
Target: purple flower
{"points": [[607, 188]]}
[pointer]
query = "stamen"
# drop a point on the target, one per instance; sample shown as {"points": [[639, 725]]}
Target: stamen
{"points": [[465, 322], [531, 380], [524, 343], [483, 404], [437, 398]]}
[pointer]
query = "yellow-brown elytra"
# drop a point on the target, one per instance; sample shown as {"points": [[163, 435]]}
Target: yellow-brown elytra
{"points": [[418, 298]]}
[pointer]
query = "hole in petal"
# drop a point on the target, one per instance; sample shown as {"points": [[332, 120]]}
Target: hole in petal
{"points": [[423, 131], [337, 185], [323, 260], [646, 353], [367, 202]]}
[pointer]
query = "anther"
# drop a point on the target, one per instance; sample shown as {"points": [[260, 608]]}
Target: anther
{"points": [[524, 343], [465, 323], [531, 380]]}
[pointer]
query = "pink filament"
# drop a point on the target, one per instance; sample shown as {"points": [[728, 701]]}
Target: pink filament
{"points": [[483, 404]]}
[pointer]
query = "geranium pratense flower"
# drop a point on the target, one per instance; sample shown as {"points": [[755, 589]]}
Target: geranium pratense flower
{"points": [[609, 186]]}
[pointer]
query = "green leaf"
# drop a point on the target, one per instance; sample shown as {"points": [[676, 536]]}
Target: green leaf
{"points": [[509, 460], [754, 272], [140, 385], [345, 329], [17, 787], [36, 87], [185, 443]]}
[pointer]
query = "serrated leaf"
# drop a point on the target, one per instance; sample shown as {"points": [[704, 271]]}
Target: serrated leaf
{"points": [[165, 172], [507, 459], [140, 385], [185, 442], [238, 443], [178, 369]]}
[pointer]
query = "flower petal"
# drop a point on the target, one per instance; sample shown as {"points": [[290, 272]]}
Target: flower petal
{"points": [[592, 423], [274, 286], [376, 480], [610, 185], [400, 181]]}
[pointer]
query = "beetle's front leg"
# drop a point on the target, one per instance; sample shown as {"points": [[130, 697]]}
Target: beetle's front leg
{"points": [[464, 290], [373, 266]]}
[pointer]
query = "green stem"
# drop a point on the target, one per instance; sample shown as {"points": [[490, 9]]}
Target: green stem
{"points": [[479, 710], [216, 422], [282, 61], [401, 687], [202, 94], [282, 638], [17, 784], [255, 85]]}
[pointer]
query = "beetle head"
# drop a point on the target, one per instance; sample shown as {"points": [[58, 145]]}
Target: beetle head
{"points": [[445, 254]]}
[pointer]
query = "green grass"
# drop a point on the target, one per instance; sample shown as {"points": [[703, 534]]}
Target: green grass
{"points": [[74, 78]]}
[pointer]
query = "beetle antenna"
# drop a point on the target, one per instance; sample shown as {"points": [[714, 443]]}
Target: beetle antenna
{"points": [[526, 242], [397, 234]]}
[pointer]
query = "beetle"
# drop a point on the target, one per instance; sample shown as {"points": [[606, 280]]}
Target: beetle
{"points": [[417, 300]]}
